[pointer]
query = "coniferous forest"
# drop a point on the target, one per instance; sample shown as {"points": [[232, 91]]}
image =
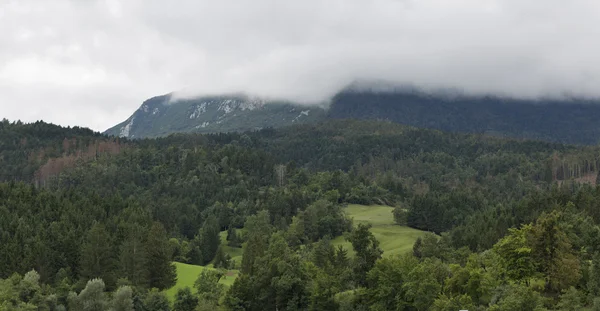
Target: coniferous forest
{"points": [[91, 222]]}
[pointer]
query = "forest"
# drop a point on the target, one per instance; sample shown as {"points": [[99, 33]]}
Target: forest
{"points": [[567, 119], [91, 222]]}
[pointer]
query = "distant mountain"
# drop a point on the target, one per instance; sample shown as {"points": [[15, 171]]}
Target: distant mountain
{"points": [[163, 115], [575, 121]]}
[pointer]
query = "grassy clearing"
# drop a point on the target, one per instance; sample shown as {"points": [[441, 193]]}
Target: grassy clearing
{"points": [[393, 239], [187, 275], [234, 252]]}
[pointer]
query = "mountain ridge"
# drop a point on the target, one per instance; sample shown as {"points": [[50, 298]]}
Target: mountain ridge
{"points": [[566, 120], [163, 115]]}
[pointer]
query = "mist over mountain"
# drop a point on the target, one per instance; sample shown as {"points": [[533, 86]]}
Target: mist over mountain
{"points": [[166, 114], [565, 119]]}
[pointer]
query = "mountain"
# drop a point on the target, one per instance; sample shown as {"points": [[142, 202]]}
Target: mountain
{"points": [[569, 120], [163, 115]]}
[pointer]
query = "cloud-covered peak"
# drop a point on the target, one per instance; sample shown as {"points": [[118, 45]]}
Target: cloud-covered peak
{"points": [[92, 62]]}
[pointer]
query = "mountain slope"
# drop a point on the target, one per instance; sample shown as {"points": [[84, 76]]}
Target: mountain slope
{"points": [[573, 121], [161, 116]]}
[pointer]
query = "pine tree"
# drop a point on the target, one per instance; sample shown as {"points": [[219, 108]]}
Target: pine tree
{"points": [[554, 254], [594, 277], [222, 259], [259, 231], [97, 256], [162, 273], [132, 259], [208, 240]]}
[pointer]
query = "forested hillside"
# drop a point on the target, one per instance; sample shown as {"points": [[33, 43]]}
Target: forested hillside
{"points": [[510, 225], [569, 120]]}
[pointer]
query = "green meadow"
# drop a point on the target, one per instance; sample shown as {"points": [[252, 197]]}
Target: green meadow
{"points": [[393, 239], [187, 275]]}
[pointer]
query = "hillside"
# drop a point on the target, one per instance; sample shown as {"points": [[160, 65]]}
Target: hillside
{"points": [[114, 223], [163, 115], [572, 121], [37, 151]]}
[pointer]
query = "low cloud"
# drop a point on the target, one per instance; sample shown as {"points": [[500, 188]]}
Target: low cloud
{"points": [[65, 59]]}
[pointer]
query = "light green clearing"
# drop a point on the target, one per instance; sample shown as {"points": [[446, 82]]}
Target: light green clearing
{"points": [[393, 239], [187, 275]]}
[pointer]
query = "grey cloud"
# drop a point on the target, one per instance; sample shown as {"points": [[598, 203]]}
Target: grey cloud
{"points": [[92, 62]]}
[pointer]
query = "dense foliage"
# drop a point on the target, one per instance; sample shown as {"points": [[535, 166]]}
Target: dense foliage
{"points": [[512, 226]]}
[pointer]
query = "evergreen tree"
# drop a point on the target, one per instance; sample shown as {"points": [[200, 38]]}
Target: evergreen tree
{"points": [[162, 273], [593, 285], [208, 240], [222, 259], [258, 230], [97, 256], [133, 257], [554, 254]]}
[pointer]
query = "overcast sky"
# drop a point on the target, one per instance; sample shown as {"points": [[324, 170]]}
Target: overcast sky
{"points": [[91, 63]]}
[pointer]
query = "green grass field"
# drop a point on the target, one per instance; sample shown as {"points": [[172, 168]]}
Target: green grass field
{"points": [[187, 275], [393, 239]]}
